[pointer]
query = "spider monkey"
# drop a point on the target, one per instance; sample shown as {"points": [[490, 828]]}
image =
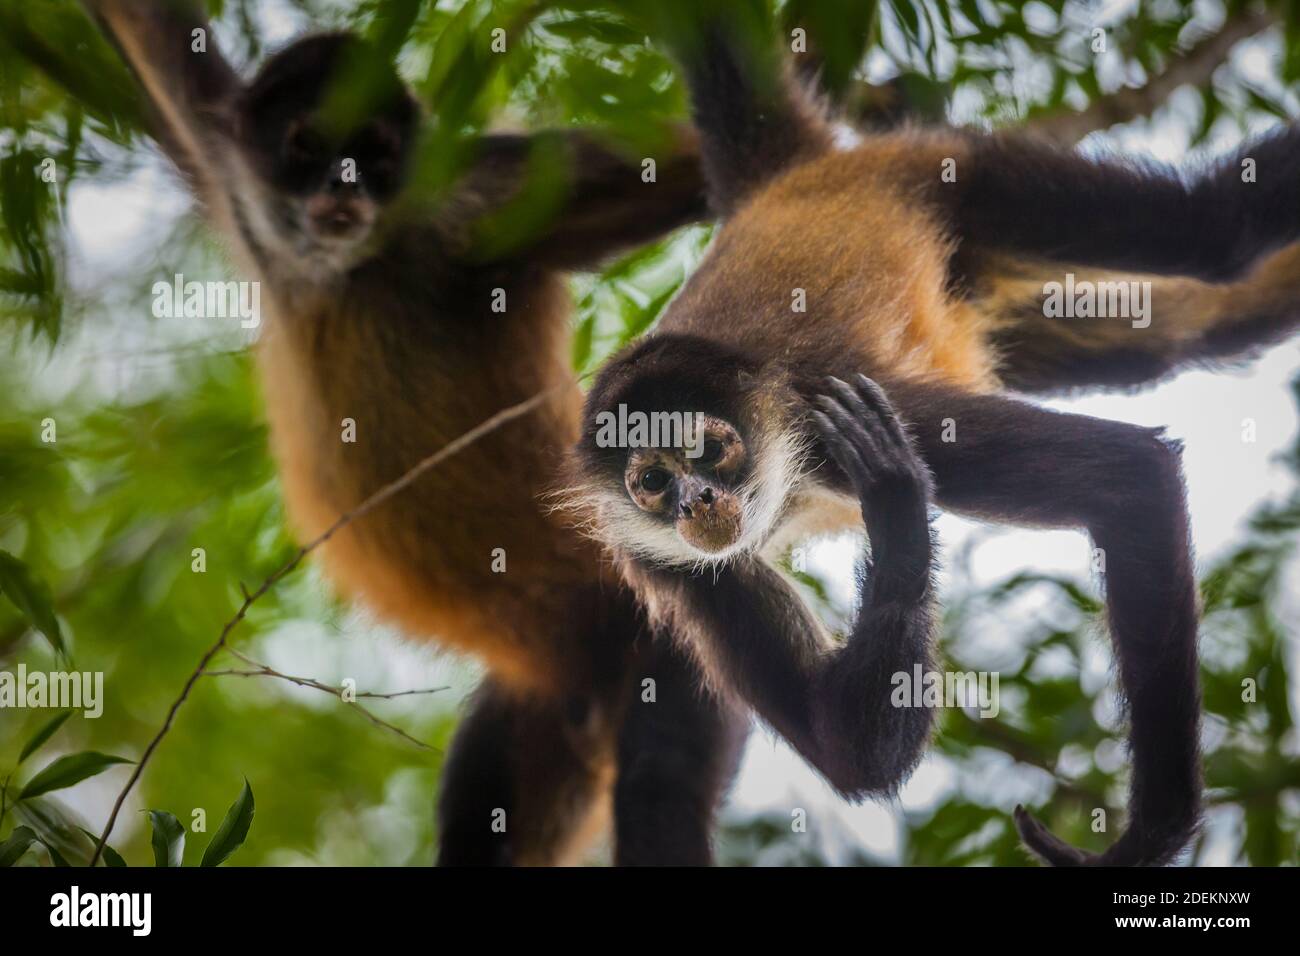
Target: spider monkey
{"points": [[886, 396], [382, 313]]}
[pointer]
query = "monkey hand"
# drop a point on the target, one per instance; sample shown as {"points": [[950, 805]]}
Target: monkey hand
{"points": [[864, 436]]}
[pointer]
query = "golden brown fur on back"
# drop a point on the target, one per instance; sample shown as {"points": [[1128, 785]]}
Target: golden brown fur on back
{"points": [[858, 239], [425, 560]]}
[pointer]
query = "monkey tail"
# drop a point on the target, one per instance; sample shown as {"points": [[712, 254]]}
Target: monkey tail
{"points": [[1171, 324]]}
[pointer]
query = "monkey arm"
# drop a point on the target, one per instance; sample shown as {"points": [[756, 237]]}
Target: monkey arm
{"points": [[565, 200], [1015, 194], [839, 707], [1023, 465], [753, 122], [611, 207], [189, 92], [757, 639]]}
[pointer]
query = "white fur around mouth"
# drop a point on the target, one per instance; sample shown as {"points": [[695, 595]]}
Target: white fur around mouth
{"points": [[622, 526]]}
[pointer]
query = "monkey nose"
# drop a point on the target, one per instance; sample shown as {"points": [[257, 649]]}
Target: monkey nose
{"points": [[333, 215], [703, 501]]}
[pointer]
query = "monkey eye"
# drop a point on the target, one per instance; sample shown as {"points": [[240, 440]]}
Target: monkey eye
{"points": [[380, 142], [654, 480], [712, 451], [305, 144]]}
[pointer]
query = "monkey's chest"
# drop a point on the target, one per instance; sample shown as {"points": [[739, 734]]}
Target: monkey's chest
{"points": [[815, 512], [465, 552]]}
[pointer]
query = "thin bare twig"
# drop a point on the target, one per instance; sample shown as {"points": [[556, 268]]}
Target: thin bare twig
{"points": [[309, 682], [264, 671], [258, 669], [261, 670], [453, 447]]}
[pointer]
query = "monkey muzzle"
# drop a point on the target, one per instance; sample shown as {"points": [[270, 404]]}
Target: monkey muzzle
{"points": [[708, 519], [338, 214]]}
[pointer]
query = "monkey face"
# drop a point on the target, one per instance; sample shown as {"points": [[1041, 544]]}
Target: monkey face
{"points": [[695, 488], [721, 489], [339, 188], [329, 177]]}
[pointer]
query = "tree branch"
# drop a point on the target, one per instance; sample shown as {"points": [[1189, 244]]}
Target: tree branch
{"points": [[263, 671], [1194, 66], [258, 669]]}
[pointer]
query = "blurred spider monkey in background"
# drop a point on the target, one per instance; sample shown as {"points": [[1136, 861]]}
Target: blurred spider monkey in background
{"points": [[380, 311], [924, 304]]}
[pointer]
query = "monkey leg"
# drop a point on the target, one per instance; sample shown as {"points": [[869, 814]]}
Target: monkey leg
{"points": [[678, 750], [1021, 196], [523, 781], [1020, 464]]}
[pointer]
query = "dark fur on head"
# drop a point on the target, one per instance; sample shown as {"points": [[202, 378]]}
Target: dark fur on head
{"points": [[297, 82], [666, 373], [683, 507]]}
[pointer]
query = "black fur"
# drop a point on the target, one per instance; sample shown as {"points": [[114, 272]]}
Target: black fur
{"points": [[834, 708], [1037, 359], [676, 756], [599, 204], [752, 126], [541, 759], [479, 778], [1024, 196], [1012, 462], [668, 373]]}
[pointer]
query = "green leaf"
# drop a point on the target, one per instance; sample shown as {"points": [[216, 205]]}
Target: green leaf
{"points": [[56, 828], [168, 838], [111, 856], [582, 338], [43, 733], [67, 771], [233, 831], [14, 847], [31, 596], [57, 858], [596, 26]]}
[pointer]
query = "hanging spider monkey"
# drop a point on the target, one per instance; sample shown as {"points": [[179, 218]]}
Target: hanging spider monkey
{"points": [[924, 304], [382, 314]]}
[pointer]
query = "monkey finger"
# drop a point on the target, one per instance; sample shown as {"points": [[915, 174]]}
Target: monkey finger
{"points": [[842, 450], [850, 429], [851, 420], [849, 398], [873, 412], [875, 399]]}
